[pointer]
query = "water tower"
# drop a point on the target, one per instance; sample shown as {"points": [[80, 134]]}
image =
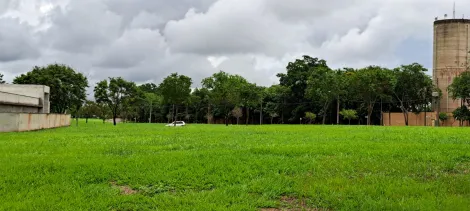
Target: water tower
{"points": [[451, 56]]}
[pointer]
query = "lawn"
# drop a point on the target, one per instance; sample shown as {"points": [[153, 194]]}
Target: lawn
{"points": [[212, 167]]}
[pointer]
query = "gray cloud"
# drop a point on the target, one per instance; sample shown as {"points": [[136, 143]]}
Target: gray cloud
{"points": [[82, 26], [16, 42], [145, 40]]}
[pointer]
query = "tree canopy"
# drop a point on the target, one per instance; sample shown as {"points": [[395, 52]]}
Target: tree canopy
{"points": [[67, 87], [308, 85], [114, 93]]}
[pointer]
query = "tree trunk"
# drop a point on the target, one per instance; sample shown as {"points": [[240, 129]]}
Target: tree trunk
{"points": [[325, 108], [114, 119], [237, 119], [369, 112], [337, 112], [175, 115], [247, 115], [261, 115], [349, 121], [104, 121], [151, 106], [208, 113], [405, 115], [226, 114], [272, 120], [282, 116], [390, 117]]}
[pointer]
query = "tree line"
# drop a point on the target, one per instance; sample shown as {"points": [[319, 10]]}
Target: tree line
{"points": [[308, 92]]}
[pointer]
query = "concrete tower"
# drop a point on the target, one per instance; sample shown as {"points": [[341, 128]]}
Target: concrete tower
{"points": [[451, 56]]}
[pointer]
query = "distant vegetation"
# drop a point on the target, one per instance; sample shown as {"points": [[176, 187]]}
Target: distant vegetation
{"points": [[308, 85]]}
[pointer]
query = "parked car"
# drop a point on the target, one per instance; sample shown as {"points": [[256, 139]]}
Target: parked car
{"points": [[176, 124]]}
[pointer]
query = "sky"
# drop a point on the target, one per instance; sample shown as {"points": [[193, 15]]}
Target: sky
{"points": [[145, 41]]}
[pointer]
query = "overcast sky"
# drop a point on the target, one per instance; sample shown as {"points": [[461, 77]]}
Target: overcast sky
{"points": [[146, 40]]}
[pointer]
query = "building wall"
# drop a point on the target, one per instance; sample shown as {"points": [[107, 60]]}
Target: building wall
{"points": [[398, 119], [24, 98], [451, 56], [18, 122]]}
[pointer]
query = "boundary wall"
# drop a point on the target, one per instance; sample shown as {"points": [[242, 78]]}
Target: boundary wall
{"points": [[398, 119], [19, 122]]}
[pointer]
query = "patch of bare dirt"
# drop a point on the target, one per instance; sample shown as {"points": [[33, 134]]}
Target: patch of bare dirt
{"points": [[125, 190], [293, 204]]}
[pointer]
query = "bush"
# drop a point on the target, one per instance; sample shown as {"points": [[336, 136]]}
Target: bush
{"points": [[349, 114], [443, 117], [310, 116]]}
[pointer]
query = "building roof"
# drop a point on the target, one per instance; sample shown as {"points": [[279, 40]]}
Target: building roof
{"points": [[444, 21]]}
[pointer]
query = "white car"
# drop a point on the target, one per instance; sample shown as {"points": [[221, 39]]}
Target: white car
{"points": [[178, 124]]}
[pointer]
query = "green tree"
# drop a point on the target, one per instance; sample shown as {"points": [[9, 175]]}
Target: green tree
{"points": [[250, 98], [310, 117], [149, 88], [237, 112], [371, 84], [272, 110], [460, 88], [349, 114], [1, 79], [276, 101], [225, 91], [324, 86], [200, 99], [152, 101], [90, 109], [443, 117], [413, 88], [176, 90], [67, 87], [461, 114], [296, 80], [114, 93], [104, 112]]}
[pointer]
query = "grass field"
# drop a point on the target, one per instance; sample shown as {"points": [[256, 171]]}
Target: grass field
{"points": [[212, 167]]}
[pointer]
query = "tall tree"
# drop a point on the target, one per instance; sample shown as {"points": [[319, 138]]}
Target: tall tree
{"points": [[462, 114], [176, 90], [149, 88], [68, 88], [276, 101], [324, 86], [114, 93], [1, 79], [296, 79], [225, 91], [104, 112], [414, 88], [152, 101], [460, 88], [371, 84], [90, 109], [249, 98]]}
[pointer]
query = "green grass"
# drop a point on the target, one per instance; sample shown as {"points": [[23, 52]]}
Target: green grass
{"points": [[213, 167]]}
